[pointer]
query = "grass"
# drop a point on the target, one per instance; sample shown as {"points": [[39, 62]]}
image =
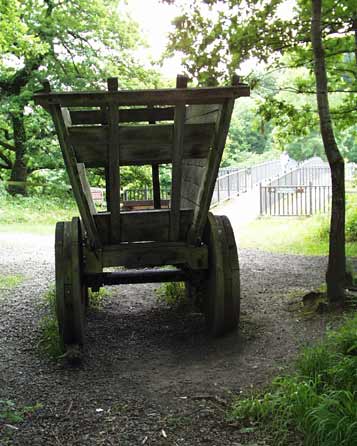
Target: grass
{"points": [[301, 236], [50, 343], [173, 293], [10, 281], [34, 214], [317, 403]]}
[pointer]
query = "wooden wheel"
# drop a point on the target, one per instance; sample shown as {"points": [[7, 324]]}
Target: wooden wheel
{"points": [[221, 288], [70, 287]]}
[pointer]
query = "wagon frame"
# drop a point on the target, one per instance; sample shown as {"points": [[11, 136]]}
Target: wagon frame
{"points": [[186, 127]]}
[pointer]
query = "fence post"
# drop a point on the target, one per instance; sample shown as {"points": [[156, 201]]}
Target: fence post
{"points": [[228, 186], [310, 193], [260, 198], [218, 190]]}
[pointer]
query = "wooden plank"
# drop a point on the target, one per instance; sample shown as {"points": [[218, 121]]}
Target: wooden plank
{"points": [[126, 115], [113, 165], [211, 172], [156, 185], [200, 114], [147, 225], [86, 187], [208, 95], [61, 124], [177, 155], [155, 172], [140, 145], [138, 255]]}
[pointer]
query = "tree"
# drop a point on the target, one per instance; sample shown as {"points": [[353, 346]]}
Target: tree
{"points": [[336, 271], [216, 36], [77, 44]]}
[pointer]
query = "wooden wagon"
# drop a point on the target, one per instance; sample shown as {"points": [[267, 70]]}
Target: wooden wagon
{"points": [[186, 127]]}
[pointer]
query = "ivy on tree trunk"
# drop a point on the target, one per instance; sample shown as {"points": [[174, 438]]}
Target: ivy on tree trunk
{"points": [[336, 270], [19, 171]]}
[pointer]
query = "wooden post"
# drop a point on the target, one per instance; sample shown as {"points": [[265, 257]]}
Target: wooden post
{"points": [[155, 179], [156, 186], [177, 152], [113, 164]]}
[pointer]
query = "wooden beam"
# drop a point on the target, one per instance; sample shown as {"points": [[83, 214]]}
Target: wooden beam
{"points": [[177, 154], [140, 144], [61, 122], [86, 187], [156, 185], [138, 255], [208, 95], [113, 164], [126, 115], [143, 226], [211, 172]]}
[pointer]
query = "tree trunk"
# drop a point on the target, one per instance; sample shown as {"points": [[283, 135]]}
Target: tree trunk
{"points": [[336, 271], [19, 171]]}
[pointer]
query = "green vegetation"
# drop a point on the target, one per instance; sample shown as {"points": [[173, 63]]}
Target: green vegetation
{"points": [[12, 414], [36, 214], [317, 403], [10, 281], [299, 235], [50, 342], [173, 293]]}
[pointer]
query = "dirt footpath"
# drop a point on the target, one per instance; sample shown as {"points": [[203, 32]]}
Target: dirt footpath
{"points": [[151, 375]]}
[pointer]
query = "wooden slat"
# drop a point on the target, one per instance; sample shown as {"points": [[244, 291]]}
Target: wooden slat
{"points": [[61, 124], [177, 155], [208, 95], [86, 187], [126, 115], [113, 165], [156, 185], [210, 175], [140, 145], [200, 114], [138, 255], [148, 225]]}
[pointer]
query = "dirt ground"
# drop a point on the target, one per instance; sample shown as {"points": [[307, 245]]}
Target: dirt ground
{"points": [[151, 375]]}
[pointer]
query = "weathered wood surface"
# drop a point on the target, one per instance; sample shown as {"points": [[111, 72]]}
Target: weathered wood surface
{"points": [[61, 122], [80, 117], [138, 255], [113, 164], [221, 286], [211, 172], [86, 187], [140, 145], [203, 113], [149, 225], [177, 155], [208, 95], [144, 204], [70, 298]]}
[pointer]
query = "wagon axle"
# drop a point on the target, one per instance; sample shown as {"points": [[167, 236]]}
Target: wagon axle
{"points": [[137, 276]]}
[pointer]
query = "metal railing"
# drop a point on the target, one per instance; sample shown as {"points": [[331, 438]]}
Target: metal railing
{"points": [[294, 200]]}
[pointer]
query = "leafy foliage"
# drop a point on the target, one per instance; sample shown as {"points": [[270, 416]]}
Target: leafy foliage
{"points": [[74, 44], [318, 402]]}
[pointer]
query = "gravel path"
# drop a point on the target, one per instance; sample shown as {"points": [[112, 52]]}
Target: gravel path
{"points": [[151, 375]]}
